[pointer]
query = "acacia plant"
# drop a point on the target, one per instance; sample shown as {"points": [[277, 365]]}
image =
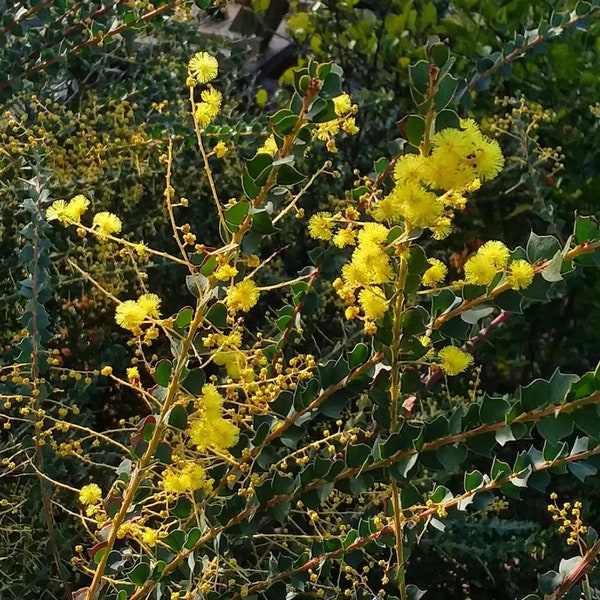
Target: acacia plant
{"points": [[259, 471]]}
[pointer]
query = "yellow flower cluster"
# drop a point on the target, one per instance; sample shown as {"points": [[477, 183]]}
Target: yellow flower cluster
{"points": [[269, 147], [182, 479], [344, 121], [70, 213], [493, 258], [208, 428], [460, 158], [202, 68], [570, 519], [132, 313], [363, 277]]}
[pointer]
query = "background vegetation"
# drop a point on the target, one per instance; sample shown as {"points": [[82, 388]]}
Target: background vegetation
{"points": [[91, 91]]}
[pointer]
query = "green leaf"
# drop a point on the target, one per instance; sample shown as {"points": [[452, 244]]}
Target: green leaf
{"points": [[451, 457], [234, 215], [415, 129], [419, 78], [217, 315], [194, 381], [493, 410], [553, 271], [549, 581], [473, 480], [475, 314], [287, 175], [140, 573], [184, 317], [446, 119], [358, 356], [175, 540], [183, 508], [162, 373], [541, 247], [582, 469], [192, 537], [356, 456], [555, 428], [586, 229], [178, 417], [259, 167], [414, 321], [417, 261], [283, 121], [414, 593]]}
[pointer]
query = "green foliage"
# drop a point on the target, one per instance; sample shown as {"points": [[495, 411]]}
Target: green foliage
{"points": [[246, 466]]}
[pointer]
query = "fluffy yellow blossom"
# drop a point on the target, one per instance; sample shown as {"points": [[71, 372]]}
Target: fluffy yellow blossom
{"points": [[187, 478], [269, 147], [435, 274], [150, 303], [520, 274], [212, 97], [420, 208], [373, 303], [205, 113], [203, 67], [242, 296], [57, 211], [106, 223], [106, 370], [342, 104], [488, 159], [90, 494], [133, 374], [410, 168], [373, 233], [373, 264], [150, 537], [130, 315], [225, 272], [320, 225], [496, 253], [344, 237], [77, 207], [349, 126], [454, 360], [220, 149], [479, 270]]}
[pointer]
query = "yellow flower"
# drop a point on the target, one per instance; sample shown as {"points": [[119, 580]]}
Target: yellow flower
{"points": [[203, 67], [373, 303], [133, 373], [212, 97], [90, 494], [225, 272], [520, 274], [479, 271], [150, 303], [130, 315], [150, 537], [220, 150], [242, 296], [435, 274], [344, 237], [373, 233], [58, 211], [496, 253], [488, 159], [76, 207], [454, 360], [269, 147], [419, 207], [349, 126], [319, 226], [342, 104], [106, 223], [205, 113], [410, 168]]}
